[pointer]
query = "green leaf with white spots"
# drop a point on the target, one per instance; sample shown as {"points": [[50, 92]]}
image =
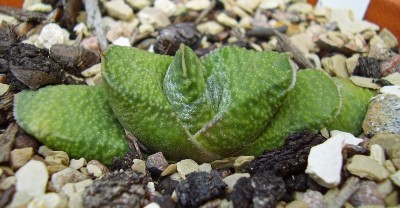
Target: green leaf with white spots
{"points": [[75, 119], [355, 106], [191, 109], [310, 106]]}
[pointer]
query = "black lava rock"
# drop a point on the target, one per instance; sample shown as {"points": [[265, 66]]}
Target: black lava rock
{"points": [[166, 185], [171, 37], [200, 187], [368, 67], [116, 189], [289, 159], [263, 189], [124, 163]]}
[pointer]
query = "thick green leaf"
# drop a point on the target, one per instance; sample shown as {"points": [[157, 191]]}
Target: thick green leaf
{"points": [[75, 119], [247, 87], [135, 81], [311, 105], [355, 106], [231, 98]]}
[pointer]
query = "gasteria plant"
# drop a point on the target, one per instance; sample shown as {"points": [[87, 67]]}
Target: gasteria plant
{"points": [[233, 101]]}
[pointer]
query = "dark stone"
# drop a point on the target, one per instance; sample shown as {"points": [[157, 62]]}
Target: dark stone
{"points": [[171, 37], [368, 67], [74, 59], [116, 189], [6, 196], [7, 141], [7, 38], [124, 163], [31, 66], [263, 189], [200, 187], [156, 164], [350, 150], [23, 140], [166, 185], [300, 182], [289, 159]]}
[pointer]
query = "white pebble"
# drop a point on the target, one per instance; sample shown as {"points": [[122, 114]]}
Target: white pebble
{"points": [[152, 205], [31, 182], [77, 164], [197, 4], [122, 41], [119, 9], [393, 89], [52, 34], [49, 200], [232, 179], [325, 162], [348, 138]]}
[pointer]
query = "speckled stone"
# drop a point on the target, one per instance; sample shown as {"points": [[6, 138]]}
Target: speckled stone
{"points": [[367, 194], [383, 115]]}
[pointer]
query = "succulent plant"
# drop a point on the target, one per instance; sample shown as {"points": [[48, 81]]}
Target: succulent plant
{"points": [[232, 101]]}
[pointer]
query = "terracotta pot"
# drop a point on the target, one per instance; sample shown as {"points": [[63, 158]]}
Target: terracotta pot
{"points": [[13, 3], [385, 13]]}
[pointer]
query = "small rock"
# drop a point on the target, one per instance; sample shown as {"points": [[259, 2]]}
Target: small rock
{"points": [[389, 166], [176, 176], [377, 153], [200, 187], [395, 177], [152, 205], [390, 66], [210, 27], [92, 71], [197, 5], [40, 7], [68, 175], [300, 7], [385, 187], [116, 189], [118, 30], [393, 78], [70, 189], [336, 65], [139, 4], [314, 199], [392, 200], [351, 63], [224, 19], [254, 191], [7, 182], [146, 29], [205, 167], [391, 144], [184, 167], [383, 115], [367, 194], [156, 164], [241, 162], [368, 67], [19, 157], [4, 88], [122, 41], [9, 19], [154, 17], [297, 204], [364, 82], [329, 152], [348, 138], [77, 164], [52, 34], [140, 166], [97, 169], [90, 43], [119, 9], [31, 182], [166, 6], [49, 200], [393, 90], [303, 42], [232, 179], [270, 4], [224, 163], [29, 3], [366, 167], [389, 39], [171, 169]]}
